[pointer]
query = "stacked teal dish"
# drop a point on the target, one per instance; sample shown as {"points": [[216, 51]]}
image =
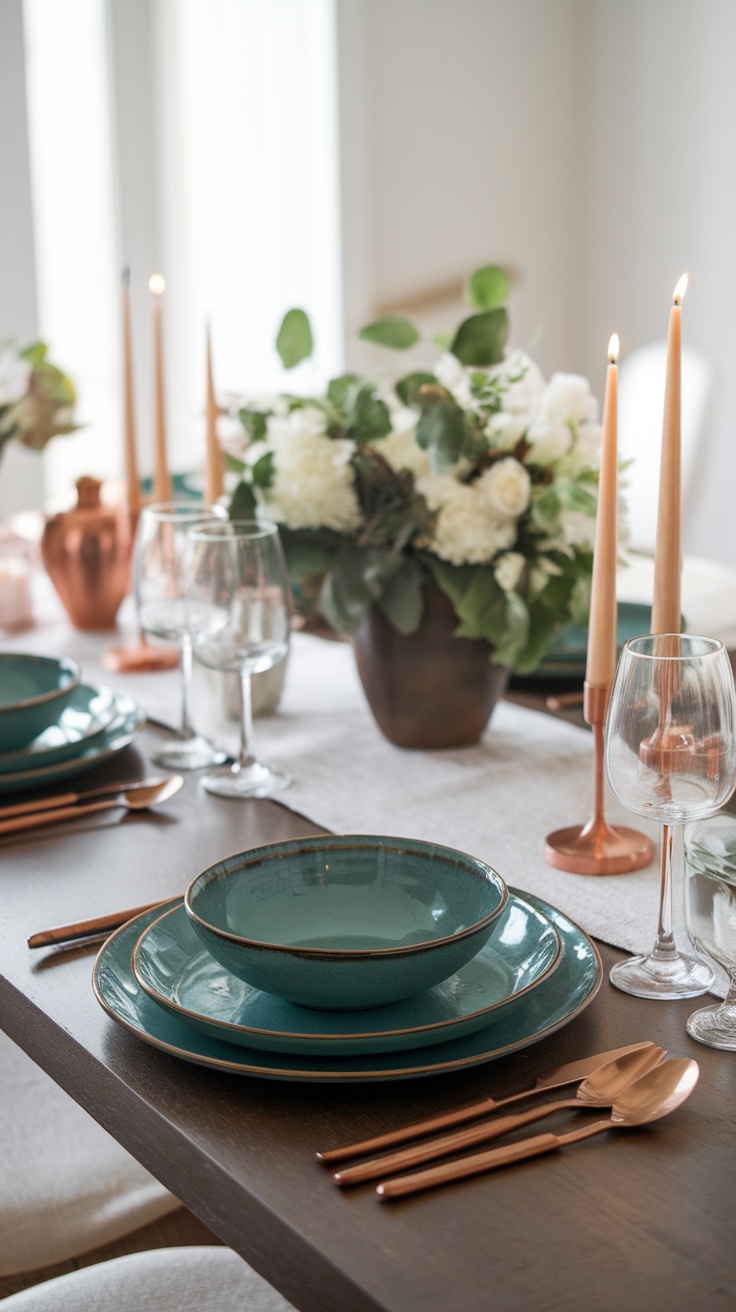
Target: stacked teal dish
{"points": [[52, 725], [525, 970]]}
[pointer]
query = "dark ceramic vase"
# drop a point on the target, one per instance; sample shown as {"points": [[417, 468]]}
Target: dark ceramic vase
{"points": [[428, 689]]}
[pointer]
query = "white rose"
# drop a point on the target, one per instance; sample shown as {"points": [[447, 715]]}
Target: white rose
{"points": [[586, 453], [549, 442], [567, 398], [503, 431], [509, 569], [504, 489], [454, 376]]}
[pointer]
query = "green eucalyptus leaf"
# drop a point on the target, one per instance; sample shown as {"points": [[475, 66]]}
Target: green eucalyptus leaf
{"points": [[242, 502], [402, 601], [441, 432], [254, 423], [344, 598], [407, 388], [487, 288], [233, 463], [392, 330], [338, 390], [264, 470], [367, 417], [443, 340], [480, 340], [294, 341]]}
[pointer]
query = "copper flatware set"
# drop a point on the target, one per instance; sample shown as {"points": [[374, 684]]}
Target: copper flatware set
{"points": [[69, 806]]}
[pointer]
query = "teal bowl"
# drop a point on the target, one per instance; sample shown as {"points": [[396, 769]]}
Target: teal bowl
{"points": [[346, 922], [34, 690]]}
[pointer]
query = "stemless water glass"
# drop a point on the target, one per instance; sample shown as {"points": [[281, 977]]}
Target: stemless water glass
{"points": [[710, 901], [671, 756], [239, 614], [162, 611]]}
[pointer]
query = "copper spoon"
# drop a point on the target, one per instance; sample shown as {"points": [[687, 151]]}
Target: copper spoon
{"points": [[601, 1089], [656, 1094], [136, 799]]}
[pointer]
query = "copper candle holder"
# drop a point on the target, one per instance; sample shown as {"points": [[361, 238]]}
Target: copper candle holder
{"points": [[598, 848]]}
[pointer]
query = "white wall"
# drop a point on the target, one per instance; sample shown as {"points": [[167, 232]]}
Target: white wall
{"points": [[21, 471]]}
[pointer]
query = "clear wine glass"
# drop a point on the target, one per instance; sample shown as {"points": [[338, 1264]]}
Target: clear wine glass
{"points": [[239, 615], [710, 902], [671, 756], [162, 611]]}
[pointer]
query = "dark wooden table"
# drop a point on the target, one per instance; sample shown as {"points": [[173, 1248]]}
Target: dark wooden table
{"points": [[637, 1220]]}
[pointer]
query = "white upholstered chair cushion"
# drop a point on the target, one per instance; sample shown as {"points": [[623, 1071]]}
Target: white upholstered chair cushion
{"points": [[163, 1280], [66, 1186]]}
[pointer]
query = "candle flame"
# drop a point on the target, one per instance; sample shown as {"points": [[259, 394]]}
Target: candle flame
{"points": [[680, 290], [613, 347], [156, 284]]}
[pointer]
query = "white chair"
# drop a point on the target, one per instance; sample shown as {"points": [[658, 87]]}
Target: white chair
{"points": [[66, 1187], [640, 412], [163, 1280]]}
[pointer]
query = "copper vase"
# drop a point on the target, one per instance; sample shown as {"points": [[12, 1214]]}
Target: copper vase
{"points": [[428, 689], [87, 552]]}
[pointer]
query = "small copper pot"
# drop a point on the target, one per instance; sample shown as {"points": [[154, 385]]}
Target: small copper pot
{"points": [[87, 552], [428, 689]]}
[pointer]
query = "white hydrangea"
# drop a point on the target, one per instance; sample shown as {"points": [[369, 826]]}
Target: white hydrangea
{"points": [[568, 399], [402, 451], [503, 431], [504, 489], [454, 376], [465, 532], [509, 569], [313, 484], [550, 441], [521, 397]]}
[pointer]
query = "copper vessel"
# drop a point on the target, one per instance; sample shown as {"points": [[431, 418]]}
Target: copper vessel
{"points": [[87, 552], [428, 689]]}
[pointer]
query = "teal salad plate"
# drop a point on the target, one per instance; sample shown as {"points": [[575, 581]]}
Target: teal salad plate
{"points": [[127, 722], [346, 921], [89, 712], [175, 970], [553, 1003]]}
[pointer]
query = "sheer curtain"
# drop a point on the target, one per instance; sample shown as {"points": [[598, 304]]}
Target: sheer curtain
{"points": [[204, 146]]}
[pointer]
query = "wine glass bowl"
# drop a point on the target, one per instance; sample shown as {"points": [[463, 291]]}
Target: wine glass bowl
{"points": [[163, 611], [671, 756], [239, 618]]}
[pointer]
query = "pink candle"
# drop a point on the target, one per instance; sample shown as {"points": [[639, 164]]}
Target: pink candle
{"points": [[601, 660], [666, 609]]}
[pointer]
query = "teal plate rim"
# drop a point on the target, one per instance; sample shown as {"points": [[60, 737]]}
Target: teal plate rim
{"points": [[569, 990], [305, 1041], [39, 758], [119, 734]]}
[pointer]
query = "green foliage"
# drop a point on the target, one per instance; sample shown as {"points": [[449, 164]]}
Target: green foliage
{"points": [[294, 342], [243, 502], [366, 415], [393, 330], [408, 388], [402, 601], [481, 339], [487, 288], [254, 423], [264, 470], [441, 432], [339, 389]]}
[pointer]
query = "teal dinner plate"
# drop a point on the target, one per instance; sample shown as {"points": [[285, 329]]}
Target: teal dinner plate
{"points": [[128, 721], [173, 967], [569, 989], [566, 654], [89, 712]]}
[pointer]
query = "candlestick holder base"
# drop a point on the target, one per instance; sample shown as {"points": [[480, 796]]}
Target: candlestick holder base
{"points": [[597, 848], [140, 658]]}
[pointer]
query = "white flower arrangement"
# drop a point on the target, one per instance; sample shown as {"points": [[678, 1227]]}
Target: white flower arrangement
{"points": [[478, 476]]}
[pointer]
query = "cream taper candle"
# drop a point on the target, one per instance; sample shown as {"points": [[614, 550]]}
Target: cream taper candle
{"points": [[132, 486], [601, 660], [666, 609]]}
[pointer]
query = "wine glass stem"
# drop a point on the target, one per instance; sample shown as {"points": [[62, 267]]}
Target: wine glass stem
{"points": [[186, 685], [672, 852], [246, 721]]}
